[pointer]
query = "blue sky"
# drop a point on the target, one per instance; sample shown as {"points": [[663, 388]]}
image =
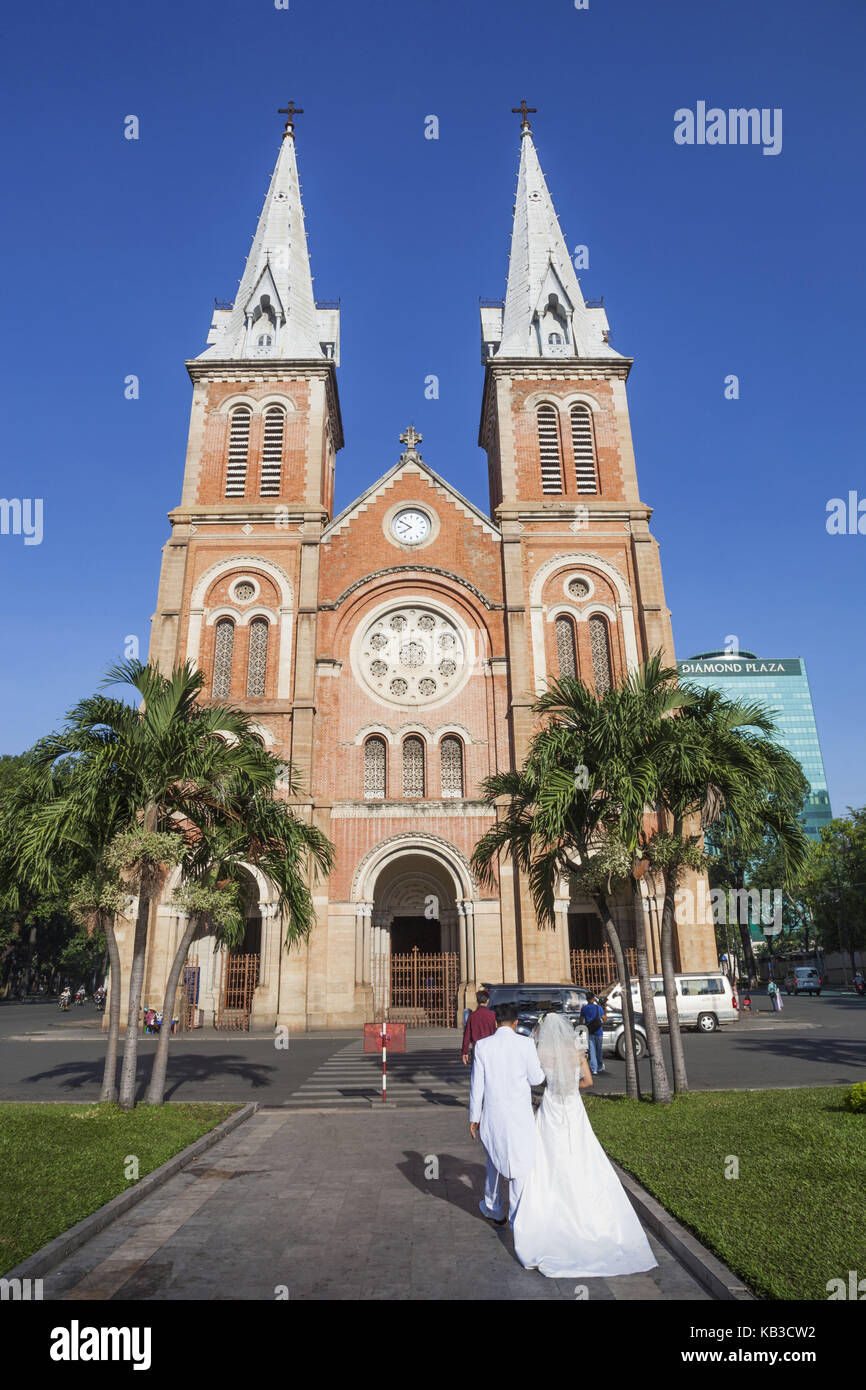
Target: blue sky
{"points": [[711, 260]]}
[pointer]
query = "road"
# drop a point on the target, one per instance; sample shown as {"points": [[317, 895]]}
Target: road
{"points": [[814, 1042]]}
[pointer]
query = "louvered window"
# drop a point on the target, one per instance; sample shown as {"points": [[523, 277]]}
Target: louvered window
{"points": [[413, 767], [272, 453], [599, 641], [565, 649], [239, 445], [374, 769], [452, 766], [548, 445], [584, 449], [258, 662], [224, 643]]}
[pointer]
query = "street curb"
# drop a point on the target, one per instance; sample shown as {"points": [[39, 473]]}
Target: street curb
{"points": [[707, 1268], [42, 1261]]}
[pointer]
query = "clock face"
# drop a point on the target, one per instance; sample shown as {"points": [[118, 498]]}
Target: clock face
{"points": [[411, 526]]}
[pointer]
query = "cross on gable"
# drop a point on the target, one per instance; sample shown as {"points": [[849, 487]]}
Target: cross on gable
{"points": [[411, 437]]}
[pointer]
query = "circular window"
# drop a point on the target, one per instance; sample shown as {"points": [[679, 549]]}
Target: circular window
{"points": [[577, 586], [243, 590], [413, 655]]}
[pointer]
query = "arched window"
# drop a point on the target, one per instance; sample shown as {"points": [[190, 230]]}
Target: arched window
{"points": [[374, 768], [272, 453], [585, 468], [599, 641], [554, 338], [548, 448], [257, 667], [224, 644], [239, 445], [413, 767], [566, 650], [451, 754]]}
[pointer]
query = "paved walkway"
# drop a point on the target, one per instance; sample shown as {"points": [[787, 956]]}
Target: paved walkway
{"points": [[331, 1206]]}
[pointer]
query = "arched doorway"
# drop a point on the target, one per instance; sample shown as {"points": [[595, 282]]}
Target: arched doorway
{"points": [[414, 946], [240, 965]]}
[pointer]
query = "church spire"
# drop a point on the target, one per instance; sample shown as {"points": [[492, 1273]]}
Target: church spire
{"points": [[544, 314], [274, 314]]}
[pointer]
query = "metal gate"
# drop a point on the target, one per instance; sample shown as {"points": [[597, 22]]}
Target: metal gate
{"points": [[239, 976], [597, 968], [186, 1006], [417, 989]]}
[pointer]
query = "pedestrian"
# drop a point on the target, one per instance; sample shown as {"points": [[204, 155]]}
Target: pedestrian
{"points": [[593, 1015], [481, 1023], [775, 996]]}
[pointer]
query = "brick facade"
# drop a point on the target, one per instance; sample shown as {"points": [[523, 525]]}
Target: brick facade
{"points": [[461, 618]]}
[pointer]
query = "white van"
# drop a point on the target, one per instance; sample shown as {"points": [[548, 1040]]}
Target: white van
{"points": [[704, 999]]}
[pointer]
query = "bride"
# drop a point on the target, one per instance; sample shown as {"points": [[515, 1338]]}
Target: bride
{"points": [[574, 1220]]}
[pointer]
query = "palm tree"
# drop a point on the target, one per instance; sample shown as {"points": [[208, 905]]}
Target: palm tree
{"points": [[574, 809], [253, 829], [96, 899], [62, 842], [647, 748], [172, 760]]}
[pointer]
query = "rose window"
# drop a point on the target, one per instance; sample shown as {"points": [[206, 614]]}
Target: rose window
{"points": [[578, 588], [412, 656]]}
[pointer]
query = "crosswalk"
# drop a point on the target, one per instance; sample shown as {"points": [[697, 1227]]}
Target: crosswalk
{"points": [[352, 1080]]}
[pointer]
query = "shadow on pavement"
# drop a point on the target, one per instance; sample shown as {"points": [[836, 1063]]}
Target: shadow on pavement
{"points": [[184, 1070]]}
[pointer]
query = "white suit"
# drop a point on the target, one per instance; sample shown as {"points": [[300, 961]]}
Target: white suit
{"points": [[503, 1069]]}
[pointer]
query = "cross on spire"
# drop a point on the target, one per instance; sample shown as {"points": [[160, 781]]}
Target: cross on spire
{"points": [[524, 111], [290, 111]]}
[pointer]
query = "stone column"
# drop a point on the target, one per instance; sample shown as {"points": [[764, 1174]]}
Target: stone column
{"points": [[469, 916], [463, 946], [363, 913], [560, 909]]}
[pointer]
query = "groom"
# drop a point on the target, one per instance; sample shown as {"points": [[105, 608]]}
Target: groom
{"points": [[500, 1109]]}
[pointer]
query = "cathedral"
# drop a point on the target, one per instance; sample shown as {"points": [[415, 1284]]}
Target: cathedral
{"points": [[392, 652]]}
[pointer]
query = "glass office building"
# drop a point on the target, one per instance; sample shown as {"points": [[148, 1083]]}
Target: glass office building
{"points": [[783, 686]]}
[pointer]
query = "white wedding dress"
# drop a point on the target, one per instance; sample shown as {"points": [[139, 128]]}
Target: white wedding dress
{"points": [[574, 1220]]}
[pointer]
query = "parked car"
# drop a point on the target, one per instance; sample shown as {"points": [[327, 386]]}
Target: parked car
{"points": [[704, 999], [534, 1001], [613, 1041], [803, 979]]}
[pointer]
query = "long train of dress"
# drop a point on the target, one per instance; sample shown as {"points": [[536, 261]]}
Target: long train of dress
{"points": [[574, 1219]]}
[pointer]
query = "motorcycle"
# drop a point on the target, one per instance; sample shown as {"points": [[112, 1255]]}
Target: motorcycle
{"points": [[65, 1000], [860, 986], [80, 997]]}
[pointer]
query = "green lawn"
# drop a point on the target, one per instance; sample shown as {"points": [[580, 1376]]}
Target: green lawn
{"points": [[58, 1163], [793, 1219]]}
